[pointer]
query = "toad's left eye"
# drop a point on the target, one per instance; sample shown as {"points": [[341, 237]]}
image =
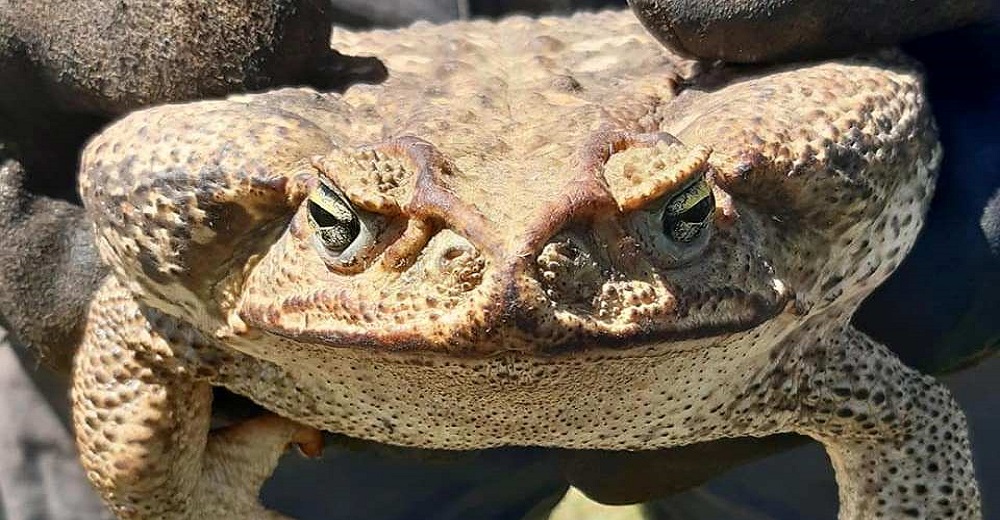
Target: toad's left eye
{"points": [[689, 212]]}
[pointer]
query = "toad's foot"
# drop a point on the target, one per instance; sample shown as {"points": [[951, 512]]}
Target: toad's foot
{"points": [[142, 426], [239, 458]]}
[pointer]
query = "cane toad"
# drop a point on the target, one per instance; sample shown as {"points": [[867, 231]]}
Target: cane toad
{"points": [[544, 232]]}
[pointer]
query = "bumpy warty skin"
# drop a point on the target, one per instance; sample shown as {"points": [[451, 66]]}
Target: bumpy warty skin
{"points": [[514, 282]]}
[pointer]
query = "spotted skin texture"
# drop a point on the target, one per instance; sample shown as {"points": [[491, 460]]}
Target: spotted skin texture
{"points": [[515, 285]]}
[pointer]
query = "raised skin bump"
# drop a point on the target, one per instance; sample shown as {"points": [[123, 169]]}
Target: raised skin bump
{"points": [[530, 296]]}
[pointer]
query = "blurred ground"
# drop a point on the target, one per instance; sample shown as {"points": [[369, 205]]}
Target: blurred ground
{"points": [[40, 478]]}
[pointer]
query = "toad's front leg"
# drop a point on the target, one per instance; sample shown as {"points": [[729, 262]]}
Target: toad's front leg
{"points": [[897, 439], [142, 425]]}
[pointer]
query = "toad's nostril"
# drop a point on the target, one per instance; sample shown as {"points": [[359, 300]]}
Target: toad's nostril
{"points": [[454, 252], [568, 271], [460, 263]]}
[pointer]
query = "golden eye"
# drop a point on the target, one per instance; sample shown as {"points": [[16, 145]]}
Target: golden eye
{"points": [[336, 224], [689, 212]]}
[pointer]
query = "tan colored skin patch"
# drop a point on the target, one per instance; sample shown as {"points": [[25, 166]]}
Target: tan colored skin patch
{"points": [[518, 282]]}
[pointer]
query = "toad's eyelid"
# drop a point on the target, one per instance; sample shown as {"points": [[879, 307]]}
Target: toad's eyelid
{"points": [[333, 203], [689, 197], [327, 194], [327, 189]]}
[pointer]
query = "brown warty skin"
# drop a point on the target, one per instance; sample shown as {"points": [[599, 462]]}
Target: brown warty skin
{"points": [[542, 232]]}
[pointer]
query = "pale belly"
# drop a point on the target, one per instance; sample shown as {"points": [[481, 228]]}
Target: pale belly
{"points": [[657, 398]]}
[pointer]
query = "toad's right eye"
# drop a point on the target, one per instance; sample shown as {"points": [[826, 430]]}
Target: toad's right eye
{"points": [[335, 222], [689, 212]]}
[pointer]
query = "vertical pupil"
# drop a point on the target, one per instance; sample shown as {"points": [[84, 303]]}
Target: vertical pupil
{"points": [[321, 217], [336, 227], [700, 211], [685, 224]]}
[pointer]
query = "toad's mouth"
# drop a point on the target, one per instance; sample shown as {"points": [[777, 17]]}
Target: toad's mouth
{"points": [[488, 323]]}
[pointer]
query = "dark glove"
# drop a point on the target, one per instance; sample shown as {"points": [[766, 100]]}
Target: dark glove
{"points": [[755, 31], [49, 271]]}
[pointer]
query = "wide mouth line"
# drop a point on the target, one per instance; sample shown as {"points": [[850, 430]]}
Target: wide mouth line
{"points": [[616, 344], [517, 326]]}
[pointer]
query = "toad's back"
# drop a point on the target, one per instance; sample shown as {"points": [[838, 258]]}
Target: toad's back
{"points": [[513, 103]]}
